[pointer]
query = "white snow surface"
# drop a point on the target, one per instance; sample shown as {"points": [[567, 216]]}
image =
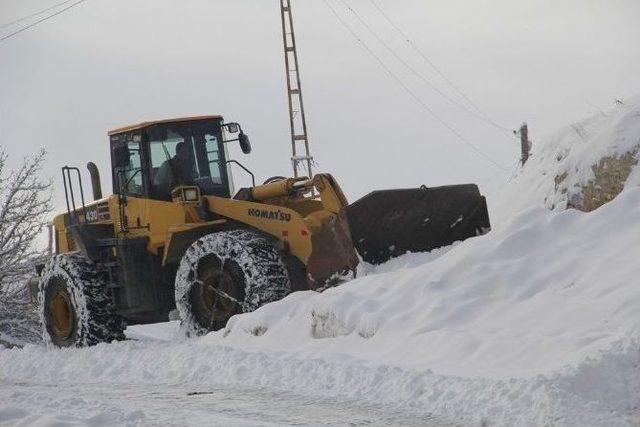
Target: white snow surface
{"points": [[535, 323], [544, 292]]}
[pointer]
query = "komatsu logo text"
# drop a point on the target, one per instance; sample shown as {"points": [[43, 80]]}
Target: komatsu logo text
{"points": [[274, 215]]}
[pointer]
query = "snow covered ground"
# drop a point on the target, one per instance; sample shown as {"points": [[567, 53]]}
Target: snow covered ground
{"points": [[101, 390], [534, 324]]}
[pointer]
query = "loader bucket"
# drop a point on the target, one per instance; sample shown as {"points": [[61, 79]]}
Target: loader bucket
{"points": [[388, 223], [333, 256]]}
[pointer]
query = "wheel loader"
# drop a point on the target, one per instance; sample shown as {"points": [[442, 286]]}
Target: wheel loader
{"points": [[176, 236]]}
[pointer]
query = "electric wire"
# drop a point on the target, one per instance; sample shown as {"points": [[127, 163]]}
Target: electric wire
{"points": [[423, 55], [514, 172], [437, 69], [40, 12], [33, 24], [415, 97], [413, 69], [511, 175], [344, 23], [479, 116]]}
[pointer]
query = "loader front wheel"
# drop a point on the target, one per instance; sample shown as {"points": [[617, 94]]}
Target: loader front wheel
{"points": [[75, 306], [224, 274]]}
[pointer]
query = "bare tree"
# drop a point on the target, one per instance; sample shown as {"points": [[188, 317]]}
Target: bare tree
{"points": [[25, 203]]}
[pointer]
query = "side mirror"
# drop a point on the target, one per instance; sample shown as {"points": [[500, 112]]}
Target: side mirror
{"points": [[245, 144], [121, 156]]}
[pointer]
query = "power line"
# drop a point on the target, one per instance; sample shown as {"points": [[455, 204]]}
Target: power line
{"points": [[423, 55], [410, 92], [41, 20], [40, 12], [413, 70], [435, 67], [491, 178]]}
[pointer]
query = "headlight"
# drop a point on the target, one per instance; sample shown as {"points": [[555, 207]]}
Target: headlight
{"points": [[191, 195]]}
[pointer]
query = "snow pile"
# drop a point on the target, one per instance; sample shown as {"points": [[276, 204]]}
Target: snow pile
{"points": [[545, 291], [533, 324], [583, 165], [549, 299]]}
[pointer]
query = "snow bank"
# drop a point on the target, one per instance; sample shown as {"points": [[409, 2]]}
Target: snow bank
{"points": [[533, 324], [582, 165], [544, 292]]}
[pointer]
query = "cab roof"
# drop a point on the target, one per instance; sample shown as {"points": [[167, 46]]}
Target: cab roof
{"points": [[155, 122]]}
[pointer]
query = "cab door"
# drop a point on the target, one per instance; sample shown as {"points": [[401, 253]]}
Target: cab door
{"points": [[142, 214], [130, 182]]}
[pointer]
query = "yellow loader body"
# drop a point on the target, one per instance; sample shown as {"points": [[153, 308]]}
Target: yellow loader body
{"points": [[175, 236]]}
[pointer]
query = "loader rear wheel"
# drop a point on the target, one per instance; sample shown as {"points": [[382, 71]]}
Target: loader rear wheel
{"points": [[75, 306], [224, 274], [63, 316]]}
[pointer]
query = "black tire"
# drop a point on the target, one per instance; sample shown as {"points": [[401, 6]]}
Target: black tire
{"points": [[76, 309], [245, 266]]}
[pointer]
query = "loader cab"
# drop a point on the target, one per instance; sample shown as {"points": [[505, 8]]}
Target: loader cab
{"points": [[151, 159]]}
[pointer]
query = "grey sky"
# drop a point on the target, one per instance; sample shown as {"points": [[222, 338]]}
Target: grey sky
{"points": [[108, 63]]}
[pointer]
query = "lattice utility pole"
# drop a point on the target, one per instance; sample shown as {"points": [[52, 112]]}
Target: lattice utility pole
{"points": [[301, 156]]}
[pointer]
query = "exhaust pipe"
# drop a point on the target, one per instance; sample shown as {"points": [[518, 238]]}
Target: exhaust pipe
{"points": [[95, 180]]}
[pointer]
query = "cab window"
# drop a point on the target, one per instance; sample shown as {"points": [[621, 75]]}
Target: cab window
{"points": [[187, 153], [132, 175]]}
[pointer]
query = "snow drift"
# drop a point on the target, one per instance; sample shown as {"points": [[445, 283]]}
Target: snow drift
{"points": [[544, 292], [549, 299]]}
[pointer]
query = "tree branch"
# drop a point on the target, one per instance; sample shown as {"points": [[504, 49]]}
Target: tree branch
{"points": [[25, 203]]}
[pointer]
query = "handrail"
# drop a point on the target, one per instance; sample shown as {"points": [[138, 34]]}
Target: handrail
{"points": [[253, 177], [66, 178]]}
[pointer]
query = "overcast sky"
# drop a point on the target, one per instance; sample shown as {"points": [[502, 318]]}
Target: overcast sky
{"points": [[108, 63]]}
